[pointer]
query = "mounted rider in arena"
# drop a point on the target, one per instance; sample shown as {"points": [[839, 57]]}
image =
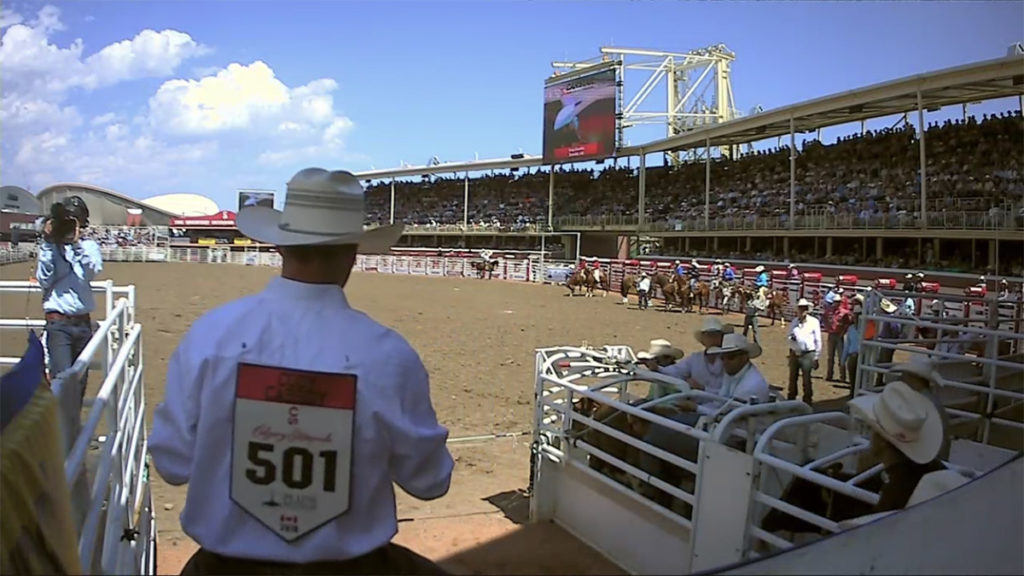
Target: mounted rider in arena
{"points": [[679, 269], [716, 269], [763, 282], [728, 274], [693, 273], [794, 273], [290, 414]]}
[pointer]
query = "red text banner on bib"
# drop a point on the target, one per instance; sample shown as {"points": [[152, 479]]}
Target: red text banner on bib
{"points": [[291, 456]]}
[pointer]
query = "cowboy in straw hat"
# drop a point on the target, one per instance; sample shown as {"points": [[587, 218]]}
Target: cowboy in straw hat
{"points": [[741, 379], [920, 374], [700, 370], [804, 350], [660, 353], [301, 334], [907, 435]]}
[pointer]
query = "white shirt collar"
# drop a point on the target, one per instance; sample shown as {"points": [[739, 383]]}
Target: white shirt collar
{"points": [[293, 289]]}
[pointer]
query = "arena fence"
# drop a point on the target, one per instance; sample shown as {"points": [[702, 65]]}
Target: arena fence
{"points": [[110, 492], [738, 504]]}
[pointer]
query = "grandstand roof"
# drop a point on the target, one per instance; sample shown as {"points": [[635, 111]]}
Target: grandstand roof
{"points": [[45, 194], [985, 80]]}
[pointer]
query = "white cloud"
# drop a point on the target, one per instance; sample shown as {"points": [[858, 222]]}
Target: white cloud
{"points": [[184, 130]]}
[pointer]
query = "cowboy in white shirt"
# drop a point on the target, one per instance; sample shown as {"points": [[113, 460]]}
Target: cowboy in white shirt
{"points": [[289, 413], [804, 349], [643, 291], [700, 370], [741, 379]]}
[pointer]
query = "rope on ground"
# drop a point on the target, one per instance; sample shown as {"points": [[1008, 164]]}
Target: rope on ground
{"points": [[484, 437]]}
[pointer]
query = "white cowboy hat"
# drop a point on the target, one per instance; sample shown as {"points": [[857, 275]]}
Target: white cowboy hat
{"points": [[759, 268], [936, 305], [660, 347], [920, 274], [920, 367], [907, 419], [887, 305], [909, 276], [858, 298], [734, 342], [804, 303], [712, 324], [320, 208]]}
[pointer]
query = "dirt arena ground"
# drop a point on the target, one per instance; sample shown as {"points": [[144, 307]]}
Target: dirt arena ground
{"points": [[477, 338]]}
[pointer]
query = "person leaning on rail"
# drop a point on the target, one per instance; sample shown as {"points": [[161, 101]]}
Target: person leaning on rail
{"points": [[289, 413]]}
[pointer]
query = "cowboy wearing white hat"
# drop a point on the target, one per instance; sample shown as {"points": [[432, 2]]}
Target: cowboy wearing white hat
{"points": [[804, 349], [741, 379], [907, 436], [920, 374], [297, 354], [660, 353], [701, 371]]}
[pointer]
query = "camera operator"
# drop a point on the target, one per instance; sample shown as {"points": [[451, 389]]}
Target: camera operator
{"points": [[65, 266]]}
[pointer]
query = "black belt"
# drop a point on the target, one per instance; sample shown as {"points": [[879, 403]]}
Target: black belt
{"points": [[73, 318]]}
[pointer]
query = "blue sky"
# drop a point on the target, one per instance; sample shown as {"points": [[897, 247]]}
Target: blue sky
{"points": [[183, 104]]}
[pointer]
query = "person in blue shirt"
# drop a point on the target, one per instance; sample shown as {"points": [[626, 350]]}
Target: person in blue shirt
{"points": [[728, 274], [762, 277], [66, 264]]}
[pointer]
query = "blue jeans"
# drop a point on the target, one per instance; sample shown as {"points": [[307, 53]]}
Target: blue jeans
{"points": [[65, 341]]}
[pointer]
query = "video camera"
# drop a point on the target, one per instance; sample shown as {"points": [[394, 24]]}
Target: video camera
{"points": [[65, 216]]}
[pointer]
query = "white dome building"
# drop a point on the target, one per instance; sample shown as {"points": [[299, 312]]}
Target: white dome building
{"points": [[184, 204]]}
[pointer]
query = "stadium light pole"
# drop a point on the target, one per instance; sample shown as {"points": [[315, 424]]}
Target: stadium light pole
{"points": [[924, 180], [707, 182], [392, 201], [465, 203], [641, 195], [551, 195], [792, 173]]}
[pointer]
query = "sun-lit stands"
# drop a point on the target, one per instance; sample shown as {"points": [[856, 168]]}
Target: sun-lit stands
{"points": [[867, 180]]}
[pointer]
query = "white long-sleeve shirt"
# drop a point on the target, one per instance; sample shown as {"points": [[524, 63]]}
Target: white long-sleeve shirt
{"points": [[805, 336], [288, 466], [747, 383]]}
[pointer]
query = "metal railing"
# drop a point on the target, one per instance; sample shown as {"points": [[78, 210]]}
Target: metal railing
{"points": [[113, 514], [948, 220]]}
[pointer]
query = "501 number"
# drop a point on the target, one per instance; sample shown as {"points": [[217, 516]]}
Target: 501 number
{"points": [[296, 466]]}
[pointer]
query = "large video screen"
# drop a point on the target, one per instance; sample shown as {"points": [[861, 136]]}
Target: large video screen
{"points": [[579, 117], [255, 198]]}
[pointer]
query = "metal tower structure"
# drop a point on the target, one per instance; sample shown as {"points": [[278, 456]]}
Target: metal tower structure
{"points": [[697, 84]]}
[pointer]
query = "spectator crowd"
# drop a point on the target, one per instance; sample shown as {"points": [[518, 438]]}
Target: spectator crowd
{"points": [[972, 166]]}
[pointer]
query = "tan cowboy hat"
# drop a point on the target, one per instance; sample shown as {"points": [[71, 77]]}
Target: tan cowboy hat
{"points": [[320, 208], [660, 347], [734, 342], [712, 324], [759, 268], [887, 305], [920, 367], [907, 419], [859, 298]]}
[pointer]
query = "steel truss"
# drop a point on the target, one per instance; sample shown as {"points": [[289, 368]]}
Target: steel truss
{"points": [[698, 86]]}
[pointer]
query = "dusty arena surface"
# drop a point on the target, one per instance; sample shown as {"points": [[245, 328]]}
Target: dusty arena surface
{"points": [[477, 339]]}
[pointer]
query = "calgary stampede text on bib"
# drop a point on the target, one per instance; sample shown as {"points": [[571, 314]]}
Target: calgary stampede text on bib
{"points": [[291, 458]]}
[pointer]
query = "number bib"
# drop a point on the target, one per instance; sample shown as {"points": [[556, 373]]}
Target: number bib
{"points": [[291, 456]]}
